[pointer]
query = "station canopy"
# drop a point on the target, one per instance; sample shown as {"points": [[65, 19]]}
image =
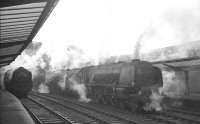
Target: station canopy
{"points": [[183, 64], [20, 20]]}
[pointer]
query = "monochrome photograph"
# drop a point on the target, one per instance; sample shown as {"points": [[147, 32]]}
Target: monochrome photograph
{"points": [[100, 62]]}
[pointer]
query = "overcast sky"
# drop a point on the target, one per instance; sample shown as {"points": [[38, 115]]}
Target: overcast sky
{"points": [[112, 27]]}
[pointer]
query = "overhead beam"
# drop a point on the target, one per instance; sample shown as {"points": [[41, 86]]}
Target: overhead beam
{"points": [[13, 22], [8, 61], [8, 9], [15, 25], [173, 67], [176, 60], [5, 3], [10, 38], [14, 33], [191, 68], [9, 44], [20, 13], [17, 28], [6, 56], [17, 17]]}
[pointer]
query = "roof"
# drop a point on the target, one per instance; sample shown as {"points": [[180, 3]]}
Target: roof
{"points": [[20, 20], [183, 64]]}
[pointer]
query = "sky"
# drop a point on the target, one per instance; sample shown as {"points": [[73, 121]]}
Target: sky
{"points": [[103, 28]]}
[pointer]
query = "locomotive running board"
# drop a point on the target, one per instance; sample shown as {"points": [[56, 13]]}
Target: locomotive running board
{"points": [[183, 64]]}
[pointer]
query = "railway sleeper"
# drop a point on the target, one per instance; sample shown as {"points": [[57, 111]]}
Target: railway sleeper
{"points": [[188, 118], [167, 120]]}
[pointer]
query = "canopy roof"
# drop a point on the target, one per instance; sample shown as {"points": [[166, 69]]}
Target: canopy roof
{"points": [[20, 20], [184, 64]]}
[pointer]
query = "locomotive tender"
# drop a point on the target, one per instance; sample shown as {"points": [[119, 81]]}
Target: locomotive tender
{"points": [[19, 83], [125, 84]]}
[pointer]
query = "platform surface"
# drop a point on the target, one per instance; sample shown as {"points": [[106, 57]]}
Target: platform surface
{"points": [[12, 111], [192, 96]]}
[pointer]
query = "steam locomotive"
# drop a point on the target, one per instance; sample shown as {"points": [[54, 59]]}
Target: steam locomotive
{"points": [[19, 83], [127, 85]]}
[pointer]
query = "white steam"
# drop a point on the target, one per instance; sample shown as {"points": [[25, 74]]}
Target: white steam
{"points": [[176, 25], [174, 84], [47, 61], [79, 88], [62, 82], [43, 88], [173, 87], [155, 104]]}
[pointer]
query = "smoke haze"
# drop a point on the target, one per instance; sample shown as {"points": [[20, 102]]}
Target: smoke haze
{"points": [[174, 84], [47, 64], [79, 88], [113, 28], [176, 25]]}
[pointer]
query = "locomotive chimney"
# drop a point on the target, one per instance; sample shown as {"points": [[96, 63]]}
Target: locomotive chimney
{"points": [[136, 54], [134, 60], [137, 50]]}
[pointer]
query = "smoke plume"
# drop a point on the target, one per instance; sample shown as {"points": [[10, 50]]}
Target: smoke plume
{"points": [[43, 88], [177, 23], [174, 87], [174, 84], [79, 88], [176, 26], [48, 64], [155, 103], [32, 48]]}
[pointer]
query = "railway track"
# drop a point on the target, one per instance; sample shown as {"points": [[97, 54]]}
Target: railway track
{"points": [[185, 110], [179, 116], [44, 115], [88, 116], [123, 117], [190, 116]]}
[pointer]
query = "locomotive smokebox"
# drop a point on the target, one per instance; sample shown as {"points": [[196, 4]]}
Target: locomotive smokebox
{"points": [[20, 84]]}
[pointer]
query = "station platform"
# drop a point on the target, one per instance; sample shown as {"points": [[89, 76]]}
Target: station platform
{"points": [[194, 96], [12, 111], [192, 100]]}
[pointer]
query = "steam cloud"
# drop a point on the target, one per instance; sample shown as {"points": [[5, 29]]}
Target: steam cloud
{"points": [[177, 25], [174, 87], [79, 88], [155, 104], [174, 84], [43, 88], [48, 66]]}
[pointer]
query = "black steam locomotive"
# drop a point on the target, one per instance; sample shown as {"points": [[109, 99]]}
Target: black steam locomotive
{"points": [[19, 82], [125, 84]]}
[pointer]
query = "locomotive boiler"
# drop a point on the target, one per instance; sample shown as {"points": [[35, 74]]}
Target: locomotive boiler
{"points": [[127, 85], [19, 83]]}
